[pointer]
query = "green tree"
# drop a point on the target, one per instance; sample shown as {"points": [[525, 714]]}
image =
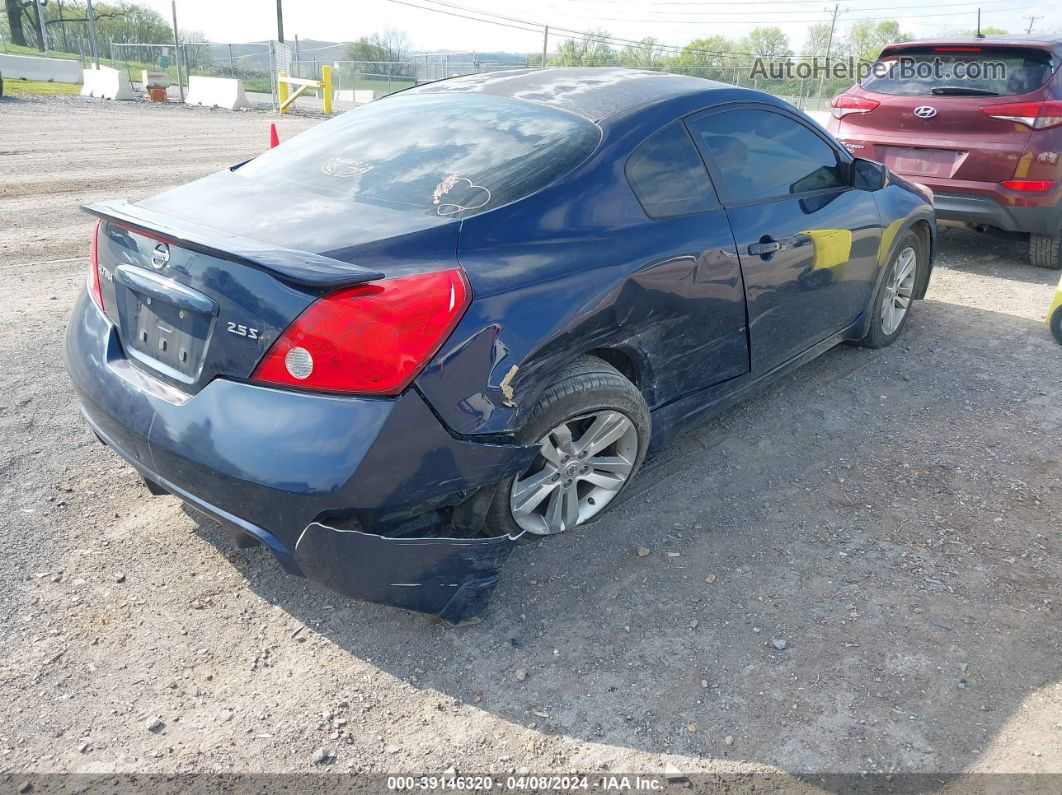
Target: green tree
{"points": [[384, 48], [989, 31], [592, 49], [646, 53], [866, 39], [766, 42], [711, 58], [817, 40]]}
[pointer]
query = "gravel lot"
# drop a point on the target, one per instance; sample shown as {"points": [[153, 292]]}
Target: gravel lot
{"points": [[891, 518]]}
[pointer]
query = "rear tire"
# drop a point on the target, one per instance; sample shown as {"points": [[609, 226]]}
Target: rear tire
{"points": [[589, 399], [1056, 325], [1045, 251], [895, 297]]}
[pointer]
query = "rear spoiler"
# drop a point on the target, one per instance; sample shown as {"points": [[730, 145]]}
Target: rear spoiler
{"points": [[287, 264]]}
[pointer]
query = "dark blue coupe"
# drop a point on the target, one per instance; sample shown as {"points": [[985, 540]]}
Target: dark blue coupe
{"points": [[466, 313]]}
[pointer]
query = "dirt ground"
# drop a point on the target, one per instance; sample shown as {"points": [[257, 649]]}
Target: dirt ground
{"points": [[892, 518]]}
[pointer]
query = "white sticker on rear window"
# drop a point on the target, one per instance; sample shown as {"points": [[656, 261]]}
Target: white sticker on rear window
{"points": [[341, 167], [471, 196]]}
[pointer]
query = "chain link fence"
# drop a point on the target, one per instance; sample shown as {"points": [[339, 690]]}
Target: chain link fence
{"points": [[356, 82], [251, 63]]}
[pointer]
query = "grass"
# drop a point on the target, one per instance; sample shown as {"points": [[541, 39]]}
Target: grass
{"points": [[39, 88], [15, 49]]}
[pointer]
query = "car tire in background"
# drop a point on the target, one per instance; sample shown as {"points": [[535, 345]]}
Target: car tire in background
{"points": [[574, 481], [895, 297], [1045, 251]]}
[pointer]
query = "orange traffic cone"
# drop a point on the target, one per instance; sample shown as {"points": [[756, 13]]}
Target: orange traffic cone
{"points": [[274, 139]]}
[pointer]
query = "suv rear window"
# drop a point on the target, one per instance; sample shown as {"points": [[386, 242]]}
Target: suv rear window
{"points": [[439, 154], [953, 71]]}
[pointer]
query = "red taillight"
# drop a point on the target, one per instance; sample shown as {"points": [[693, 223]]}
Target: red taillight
{"points": [[1028, 185], [849, 103], [372, 339], [956, 49], [1037, 115], [93, 280]]}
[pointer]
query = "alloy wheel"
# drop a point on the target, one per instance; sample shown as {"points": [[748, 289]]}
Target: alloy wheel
{"points": [[899, 291], [581, 467]]}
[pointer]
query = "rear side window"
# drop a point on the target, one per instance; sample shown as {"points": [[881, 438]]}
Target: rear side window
{"points": [[960, 71], [763, 155], [440, 154], [668, 176]]}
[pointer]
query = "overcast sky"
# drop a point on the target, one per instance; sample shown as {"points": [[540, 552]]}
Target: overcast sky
{"points": [[673, 22]]}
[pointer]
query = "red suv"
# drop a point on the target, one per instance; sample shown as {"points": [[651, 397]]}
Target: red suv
{"points": [[977, 120]]}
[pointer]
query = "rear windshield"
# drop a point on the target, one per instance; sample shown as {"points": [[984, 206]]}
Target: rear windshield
{"points": [[440, 154], [960, 71]]}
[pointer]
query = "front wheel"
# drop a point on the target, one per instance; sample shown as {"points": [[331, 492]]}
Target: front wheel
{"points": [[892, 304], [592, 428]]}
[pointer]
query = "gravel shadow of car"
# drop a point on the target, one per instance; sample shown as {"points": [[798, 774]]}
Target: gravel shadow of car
{"points": [[857, 570]]}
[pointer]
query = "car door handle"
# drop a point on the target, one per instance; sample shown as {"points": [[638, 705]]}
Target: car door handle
{"points": [[763, 249]]}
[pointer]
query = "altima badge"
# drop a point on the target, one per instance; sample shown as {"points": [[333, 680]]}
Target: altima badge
{"points": [[925, 111]]}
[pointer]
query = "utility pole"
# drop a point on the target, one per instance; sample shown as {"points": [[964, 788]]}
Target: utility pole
{"points": [[44, 29], [1032, 20], [280, 21], [980, 35], [829, 41], [545, 44], [91, 15], [177, 50]]}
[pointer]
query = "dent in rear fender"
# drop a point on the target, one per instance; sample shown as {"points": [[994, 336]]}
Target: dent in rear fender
{"points": [[448, 577]]}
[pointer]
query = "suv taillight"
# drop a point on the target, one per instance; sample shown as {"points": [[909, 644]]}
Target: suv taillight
{"points": [[372, 339], [849, 103], [1037, 115], [93, 280]]}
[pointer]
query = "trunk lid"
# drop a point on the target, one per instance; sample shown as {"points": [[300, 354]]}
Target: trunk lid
{"points": [[192, 302]]}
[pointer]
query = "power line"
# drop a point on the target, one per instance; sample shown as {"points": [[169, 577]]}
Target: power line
{"points": [[743, 20]]}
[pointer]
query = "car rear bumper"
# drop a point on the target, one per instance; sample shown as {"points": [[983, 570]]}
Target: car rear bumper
{"points": [[295, 469], [972, 208]]}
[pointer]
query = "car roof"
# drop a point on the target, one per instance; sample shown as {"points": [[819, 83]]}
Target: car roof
{"points": [[1052, 42], [592, 92]]}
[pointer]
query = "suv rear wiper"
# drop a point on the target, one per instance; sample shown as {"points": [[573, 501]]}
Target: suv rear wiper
{"points": [[962, 91]]}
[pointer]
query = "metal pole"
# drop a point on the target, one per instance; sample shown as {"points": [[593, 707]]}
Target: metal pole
{"points": [[44, 29], [177, 50], [295, 71], [92, 33], [232, 63], [280, 21], [829, 44], [545, 44]]}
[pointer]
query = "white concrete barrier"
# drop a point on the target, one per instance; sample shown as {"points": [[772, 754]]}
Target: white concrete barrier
{"points": [[216, 92], [360, 96], [106, 83], [30, 67], [153, 78]]}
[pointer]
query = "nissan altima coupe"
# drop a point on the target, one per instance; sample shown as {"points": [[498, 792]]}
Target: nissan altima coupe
{"points": [[464, 314]]}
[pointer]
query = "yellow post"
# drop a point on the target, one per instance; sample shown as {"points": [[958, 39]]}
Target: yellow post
{"points": [[282, 92], [326, 87]]}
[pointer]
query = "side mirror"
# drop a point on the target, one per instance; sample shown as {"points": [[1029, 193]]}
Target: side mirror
{"points": [[868, 175]]}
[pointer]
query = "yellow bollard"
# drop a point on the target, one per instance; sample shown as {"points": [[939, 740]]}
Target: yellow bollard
{"points": [[1054, 314], [326, 87], [282, 92]]}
